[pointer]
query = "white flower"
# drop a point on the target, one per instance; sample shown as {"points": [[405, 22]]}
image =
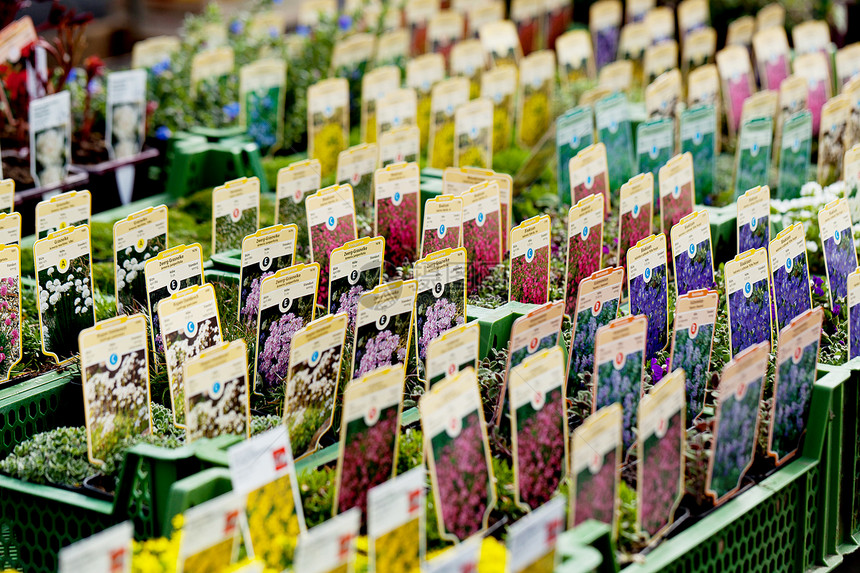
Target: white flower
{"points": [[88, 302], [50, 271], [49, 147], [53, 299], [125, 122]]}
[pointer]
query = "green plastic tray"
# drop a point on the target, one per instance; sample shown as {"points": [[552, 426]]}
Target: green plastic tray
{"points": [[193, 163], [37, 520]]}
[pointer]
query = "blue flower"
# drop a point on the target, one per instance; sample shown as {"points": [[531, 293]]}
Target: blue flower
{"points": [[236, 27], [163, 133], [231, 110], [161, 67], [344, 22], [73, 74], [303, 31]]}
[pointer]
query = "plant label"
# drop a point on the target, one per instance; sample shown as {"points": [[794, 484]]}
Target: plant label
{"points": [[691, 249], [794, 155], [647, 284], [422, 73], [501, 42], [467, 60], [331, 221], [136, 239], [296, 181], [529, 265], [235, 213], [397, 189], [458, 180], [262, 97], [584, 246], [536, 83], [328, 122], [748, 298], [589, 175], [574, 131], [532, 539], [125, 117], [604, 20], [753, 223], [356, 166], [263, 254], [699, 138], [396, 520], [736, 76], [396, 109], [834, 122], [375, 85], [575, 57], [772, 56], [71, 209], [790, 274], [837, 239], [441, 298], [211, 533], [613, 130], [655, 146], [595, 468], [482, 236], [443, 222], [383, 326], [446, 96], [500, 85], [693, 342], [107, 550], [211, 66], [634, 223], [50, 123], [663, 95], [455, 350], [473, 134]]}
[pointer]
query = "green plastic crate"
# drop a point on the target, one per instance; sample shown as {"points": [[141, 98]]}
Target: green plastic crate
{"points": [[593, 534], [36, 521], [723, 222], [193, 163], [783, 524], [846, 464]]}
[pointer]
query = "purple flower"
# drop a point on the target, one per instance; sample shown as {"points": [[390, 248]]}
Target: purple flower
{"points": [[792, 393], [231, 110], [582, 341], [595, 493], [694, 272], [621, 385], [841, 262], [791, 290], [693, 354], [734, 438], [662, 470], [651, 298], [749, 316], [378, 352], [236, 27], [274, 360], [344, 22], [540, 449], [441, 316], [303, 31]]}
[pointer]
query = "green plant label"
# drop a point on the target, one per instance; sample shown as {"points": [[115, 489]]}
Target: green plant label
{"points": [[262, 94], [574, 131], [698, 137], [794, 155], [614, 131], [655, 146], [752, 160]]}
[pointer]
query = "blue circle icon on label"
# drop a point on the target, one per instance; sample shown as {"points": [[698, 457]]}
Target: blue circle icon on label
{"points": [[748, 288], [585, 232], [331, 221], [635, 210], [480, 217], [190, 327], [114, 359], [692, 249], [216, 387], [753, 223], [755, 148], [788, 264], [397, 196], [588, 181], [574, 141], [315, 356], [837, 235], [530, 254], [648, 274], [442, 230]]}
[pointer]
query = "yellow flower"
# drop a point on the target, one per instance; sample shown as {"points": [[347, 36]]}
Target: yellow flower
{"points": [[472, 157], [273, 523], [214, 558], [397, 550], [501, 129], [535, 120], [329, 141], [443, 146], [423, 118], [370, 129], [493, 555]]}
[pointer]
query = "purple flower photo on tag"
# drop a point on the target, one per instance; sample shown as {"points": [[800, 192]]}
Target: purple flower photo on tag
{"points": [[749, 314], [791, 289], [583, 259], [735, 438], [693, 268], [540, 449], [661, 468], [648, 296], [841, 262], [326, 237]]}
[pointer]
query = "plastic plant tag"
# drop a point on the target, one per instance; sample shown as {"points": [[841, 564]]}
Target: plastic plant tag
{"points": [[443, 222], [443, 31], [455, 439], [531, 542], [753, 224], [790, 274], [211, 69], [632, 43], [311, 11], [136, 239], [661, 23], [440, 302], [740, 32], [262, 95], [597, 304], [647, 283], [835, 115], [770, 16], [211, 534], [482, 231], [604, 19], [852, 128], [762, 104], [537, 330], [534, 114], [166, 273], [692, 251], [263, 254], [295, 182], [397, 108], [847, 63], [446, 97], [264, 476], [7, 196], [634, 223], [529, 267], [375, 85], [50, 125], [458, 180], [71, 209], [354, 268], [814, 68], [10, 229], [465, 556], [331, 221], [235, 213], [655, 146], [752, 159], [115, 378], [15, 37], [595, 469], [369, 432], [794, 155], [422, 73], [854, 314], [397, 208], [356, 166], [692, 344], [399, 145], [748, 299], [796, 369], [772, 56], [591, 96], [10, 309], [615, 77], [468, 60], [501, 43], [539, 427], [500, 85], [614, 131], [383, 327], [480, 13], [473, 134], [126, 113], [589, 175], [792, 99], [698, 137], [559, 15], [811, 36], [575, 57], [312, 381], [328, 122], [736, 75], [351, 57], [287, 304], [574, 131], [217, 400], [664, 94], [660, 454], [736, 421], [851, 177], [698, 49], [392, 46], [584, 246], [396, 522], [64, 284], [528, 17], [107, 550], [418, 14], [659, 59], [840, 255], [190, 324], [453, 351]]}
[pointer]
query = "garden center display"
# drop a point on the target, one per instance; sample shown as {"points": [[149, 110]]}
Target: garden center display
{"points": [[432, 285]]}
